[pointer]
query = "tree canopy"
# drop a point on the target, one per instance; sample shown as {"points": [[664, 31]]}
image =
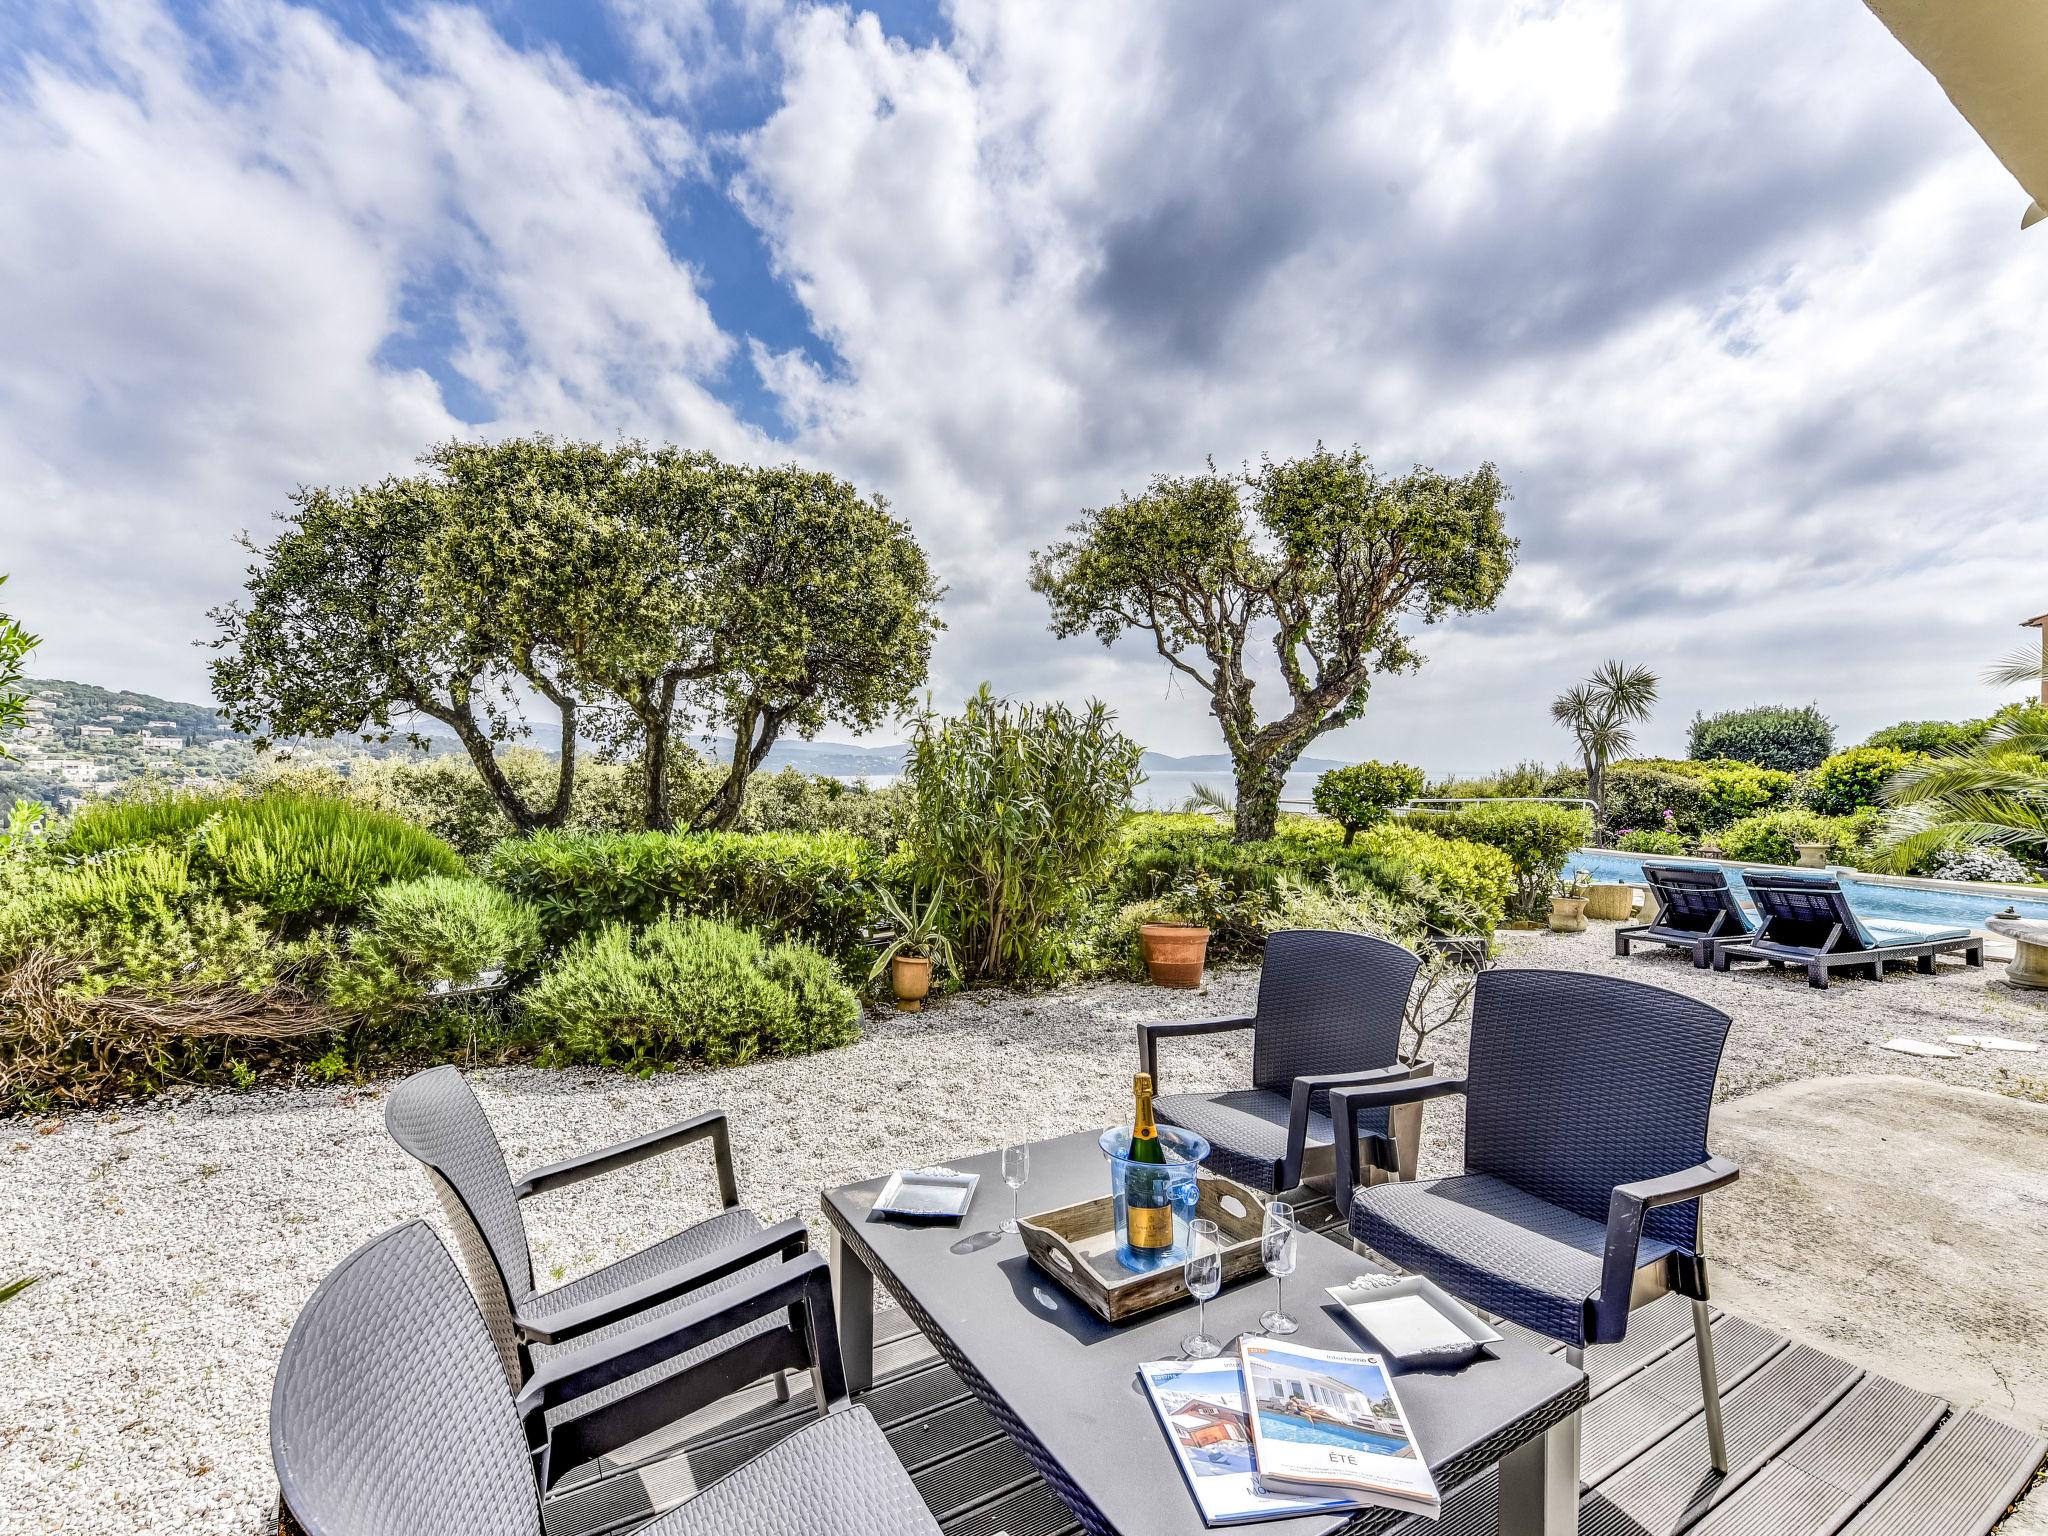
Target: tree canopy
{"points": [[644, 593], [1317, 562], [15, 644]]}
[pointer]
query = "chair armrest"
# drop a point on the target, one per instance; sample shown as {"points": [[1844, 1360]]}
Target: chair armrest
{"points": [[1150, 1034], [785, 1240], [1306, 1088], [573, 1170], [1626, 1210], [803, 1288], [1345, 1104]]}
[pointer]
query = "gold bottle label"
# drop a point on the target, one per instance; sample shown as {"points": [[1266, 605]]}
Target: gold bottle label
{"points": [[1151, 1225]]}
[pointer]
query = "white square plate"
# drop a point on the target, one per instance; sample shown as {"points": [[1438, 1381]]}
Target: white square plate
{"points": [[1411, 1319], [928, 1194]]}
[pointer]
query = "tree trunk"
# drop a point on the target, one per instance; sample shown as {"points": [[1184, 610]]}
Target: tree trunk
{"points": [[524, 819], [1258, 798], [722, 811], [657, 722]]}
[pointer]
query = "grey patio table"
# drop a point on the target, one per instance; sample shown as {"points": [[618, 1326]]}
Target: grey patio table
{"points": [[1065, 1384]]}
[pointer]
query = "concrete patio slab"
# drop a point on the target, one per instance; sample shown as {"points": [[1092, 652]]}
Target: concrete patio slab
{"points": [[1899, 1223]]}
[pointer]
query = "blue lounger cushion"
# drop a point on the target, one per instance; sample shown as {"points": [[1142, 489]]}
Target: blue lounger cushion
{"points": [[1884, 931]]}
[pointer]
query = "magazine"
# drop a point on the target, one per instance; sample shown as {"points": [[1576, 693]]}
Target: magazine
{"points": [[1326, 1421], [1201, 1407]]}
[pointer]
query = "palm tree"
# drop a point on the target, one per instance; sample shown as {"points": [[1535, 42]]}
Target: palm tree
{"points": [[1601, 713], [1991, 795]]}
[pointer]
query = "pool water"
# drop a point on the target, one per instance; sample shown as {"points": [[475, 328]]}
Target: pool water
{"points": [[1285, 1426], [1901, 903]]}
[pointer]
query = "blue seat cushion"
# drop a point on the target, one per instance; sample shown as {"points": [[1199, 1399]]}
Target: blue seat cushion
{"points": [[1247, 1130], [1885, 931], [1494, 1246]]}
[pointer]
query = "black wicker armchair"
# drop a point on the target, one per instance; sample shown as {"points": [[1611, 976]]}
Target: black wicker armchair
{"points": [[435, 1117], [1586, 1103], [1329, 1015], [390, 1415]]}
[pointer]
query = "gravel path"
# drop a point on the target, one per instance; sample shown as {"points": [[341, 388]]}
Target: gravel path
{"points": [[178, 1241]]}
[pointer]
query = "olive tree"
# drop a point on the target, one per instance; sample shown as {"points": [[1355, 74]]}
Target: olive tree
{"points": [[348, 628], [1317, 561]]}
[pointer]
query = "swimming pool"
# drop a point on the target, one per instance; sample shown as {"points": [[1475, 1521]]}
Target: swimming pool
{"points": [[1903, 903]]}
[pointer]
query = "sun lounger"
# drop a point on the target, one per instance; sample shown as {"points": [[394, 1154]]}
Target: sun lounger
{"points": [[1696, 911], [1807, 920]]}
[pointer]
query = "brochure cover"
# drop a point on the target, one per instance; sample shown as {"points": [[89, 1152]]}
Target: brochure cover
{"points": [[1323, 1420], [1201, 1406]]}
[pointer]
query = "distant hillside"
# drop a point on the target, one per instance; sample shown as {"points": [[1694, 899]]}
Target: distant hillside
{"points": [[81, 739]]}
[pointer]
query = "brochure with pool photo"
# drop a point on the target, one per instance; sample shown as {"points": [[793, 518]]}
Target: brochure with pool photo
{"points": [[1325, 1421], [1201, 1407]]}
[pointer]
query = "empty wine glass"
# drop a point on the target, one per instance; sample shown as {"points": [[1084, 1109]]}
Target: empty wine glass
{"points": [[1279, 1245], [1016, 1169], [1205, 1279]]}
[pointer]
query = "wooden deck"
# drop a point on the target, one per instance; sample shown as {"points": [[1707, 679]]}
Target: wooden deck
{"points": [[1815, 1445]]}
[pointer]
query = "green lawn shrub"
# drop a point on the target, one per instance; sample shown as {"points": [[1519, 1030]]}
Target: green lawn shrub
{"points": [[1789, 738], [1365, 794], [689, 990], [1929, 736], [790, 885], [417, 932], [1537, 839], [1769, 838], [1855, 778], [1015, 811], [1717, 792]]}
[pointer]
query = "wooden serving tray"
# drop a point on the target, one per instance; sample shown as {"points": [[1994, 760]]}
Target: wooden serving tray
{"points": [[1076, 1245]]}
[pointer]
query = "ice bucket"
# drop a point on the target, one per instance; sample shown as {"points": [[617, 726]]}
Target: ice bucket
{"points": [[1171, 1183]]}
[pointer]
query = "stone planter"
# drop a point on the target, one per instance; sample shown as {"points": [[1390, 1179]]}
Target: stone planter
{"points": [[910, 978], [1567, 914], [1610, 903], [1812, 855], [1174, 953]]}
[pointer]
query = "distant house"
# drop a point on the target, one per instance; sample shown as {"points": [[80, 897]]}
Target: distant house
{"points": [[95, 730], [73, 770], [131, 709], [113, 719], [161, 743], [36, 706], [162, 725]]}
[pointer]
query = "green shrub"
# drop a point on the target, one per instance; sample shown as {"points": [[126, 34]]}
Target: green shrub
{"points": [[1015, 811], [1665, 844], [1537, 839], [1728, 791], [1929, 736], [422, 931], [1528, 781], [1645, 796], [1769, 838], [791, 885], [1770, 735], [1363, 794], [302, 858], [1459, 885], [1850, 780], [690, 990]]}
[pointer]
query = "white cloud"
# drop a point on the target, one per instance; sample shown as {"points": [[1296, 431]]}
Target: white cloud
{"points": [[1729, 292], [202, 263]]}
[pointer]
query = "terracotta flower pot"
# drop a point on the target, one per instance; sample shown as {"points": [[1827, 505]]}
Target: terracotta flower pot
{"points": [[1173, 953], [1567, 914], [1610, 903], [910, 978]]}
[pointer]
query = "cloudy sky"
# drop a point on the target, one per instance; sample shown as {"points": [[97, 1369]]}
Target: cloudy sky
{"points": [[1736, 301]]}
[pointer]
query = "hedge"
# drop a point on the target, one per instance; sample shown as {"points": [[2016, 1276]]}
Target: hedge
{"points": [[1538, 840], [789, 885]]}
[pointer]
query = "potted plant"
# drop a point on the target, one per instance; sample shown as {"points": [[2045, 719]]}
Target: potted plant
{"points": [[1176, 947], [917, 943], [1812, 855], [1568, 903]]}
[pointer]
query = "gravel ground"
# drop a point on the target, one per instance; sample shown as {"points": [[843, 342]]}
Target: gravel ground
{"points": [[178, 1241]]}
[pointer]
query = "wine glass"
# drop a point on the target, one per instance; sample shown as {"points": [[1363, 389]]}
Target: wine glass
{"points": [[1016, 1169], [1279, 1245], [1205, 1279]]}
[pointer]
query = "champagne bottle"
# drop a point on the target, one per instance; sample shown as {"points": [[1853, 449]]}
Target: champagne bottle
{"points": [[1148, 1213]]}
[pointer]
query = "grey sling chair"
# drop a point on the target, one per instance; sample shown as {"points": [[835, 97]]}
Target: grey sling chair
{"points": [[1586, 1103], [434, 1116], [390, 1415], [1329, 1013]]}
